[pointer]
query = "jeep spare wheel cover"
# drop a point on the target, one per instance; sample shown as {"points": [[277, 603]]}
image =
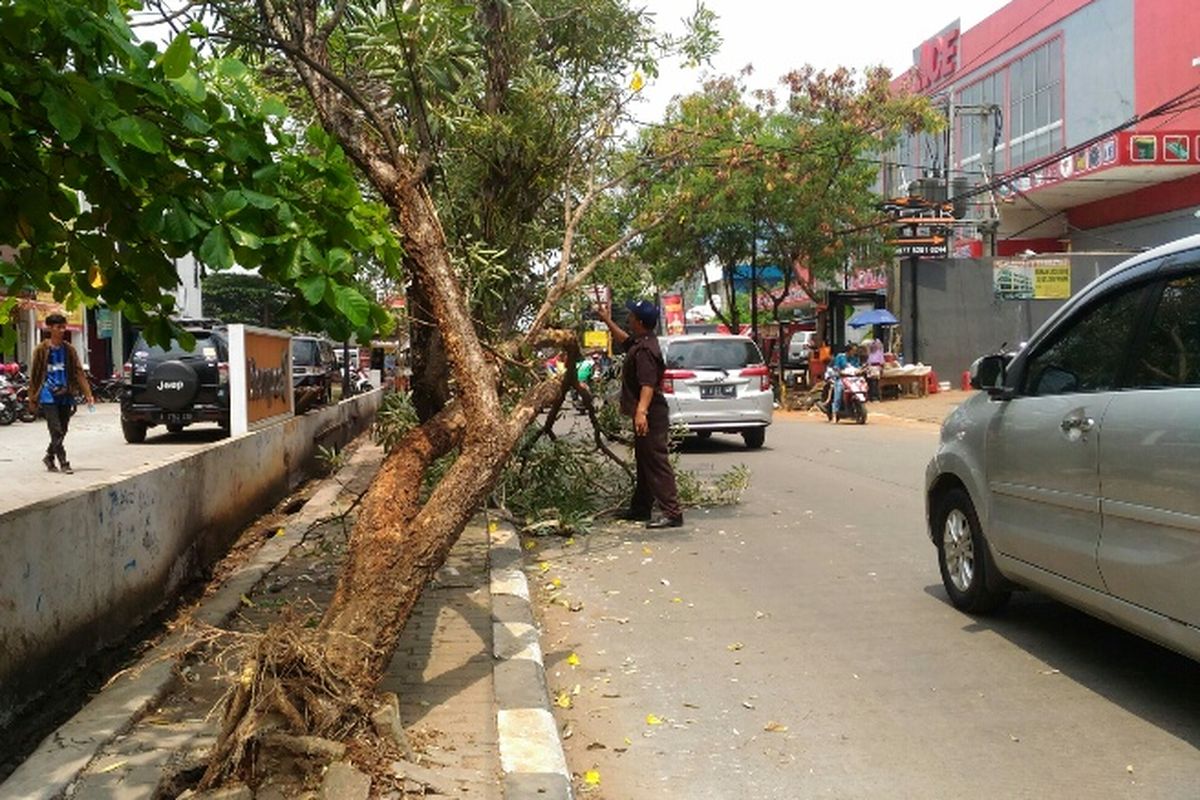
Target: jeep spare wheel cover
{"points": [[172, 385]]}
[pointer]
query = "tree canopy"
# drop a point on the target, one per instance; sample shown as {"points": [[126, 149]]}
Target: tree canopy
{"points": [[117, 157], [787, 182]]}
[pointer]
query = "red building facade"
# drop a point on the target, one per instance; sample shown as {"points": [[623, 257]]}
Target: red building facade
{"points": [[1053, 131]]}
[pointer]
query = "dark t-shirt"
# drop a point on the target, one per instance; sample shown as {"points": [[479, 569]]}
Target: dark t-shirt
{"points": [[644, 366]]}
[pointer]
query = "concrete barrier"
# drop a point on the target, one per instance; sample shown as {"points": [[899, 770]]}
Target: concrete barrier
{"points": [[81, 571]]}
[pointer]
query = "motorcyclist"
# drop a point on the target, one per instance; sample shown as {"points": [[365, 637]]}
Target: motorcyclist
{"points": [[841, 362]]}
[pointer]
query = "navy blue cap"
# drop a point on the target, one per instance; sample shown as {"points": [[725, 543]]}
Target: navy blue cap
{"points": [[645, 311]]}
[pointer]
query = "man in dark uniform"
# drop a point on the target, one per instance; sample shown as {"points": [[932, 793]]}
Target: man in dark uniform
{"points": [[642, 399]]}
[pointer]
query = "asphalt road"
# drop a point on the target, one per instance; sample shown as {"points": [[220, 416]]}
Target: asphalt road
{"points": [[97, 451], [800, 645]]}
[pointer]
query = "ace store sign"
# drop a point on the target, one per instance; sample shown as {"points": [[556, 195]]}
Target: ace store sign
{"points": [[936, 59]]}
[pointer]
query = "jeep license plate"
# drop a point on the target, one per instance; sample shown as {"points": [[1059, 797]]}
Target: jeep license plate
{"points": [[717, 391], [177, 417]]}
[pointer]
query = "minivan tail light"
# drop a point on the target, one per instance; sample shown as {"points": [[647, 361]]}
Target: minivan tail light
{"points": [[760, 372], [223, 373], [672, 375], [127, 372]]}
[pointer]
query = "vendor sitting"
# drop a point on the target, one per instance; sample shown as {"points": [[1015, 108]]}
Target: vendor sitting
{"points": [[875, 361]]}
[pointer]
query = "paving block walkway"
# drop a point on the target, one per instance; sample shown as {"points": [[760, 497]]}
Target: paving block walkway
{"points": [[442, 670]]}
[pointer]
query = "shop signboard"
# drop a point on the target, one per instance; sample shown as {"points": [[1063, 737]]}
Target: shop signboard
{"points": [[260, 378], [47, 304], [673, 313], [104, 323], [1032, 279], [595, 340]]}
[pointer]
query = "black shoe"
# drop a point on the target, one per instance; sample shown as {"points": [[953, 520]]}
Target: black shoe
{"points": [[49, 462], [665, 522], [634, 516], [66, 467]]}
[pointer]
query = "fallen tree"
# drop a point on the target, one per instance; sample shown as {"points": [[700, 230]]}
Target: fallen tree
{"points": [[484, 387]]}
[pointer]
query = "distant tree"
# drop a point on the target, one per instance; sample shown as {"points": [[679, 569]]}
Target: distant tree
{"points": [[786, 183], [247, 298]]}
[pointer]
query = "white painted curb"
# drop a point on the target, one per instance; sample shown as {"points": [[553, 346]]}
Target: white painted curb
{"points": [[531, 751]]}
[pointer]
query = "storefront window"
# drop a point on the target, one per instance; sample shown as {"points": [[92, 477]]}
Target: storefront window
{"points": [[1035, 104]]}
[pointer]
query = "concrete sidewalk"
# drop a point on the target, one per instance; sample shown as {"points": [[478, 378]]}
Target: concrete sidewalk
{"points": [[154, 720]]}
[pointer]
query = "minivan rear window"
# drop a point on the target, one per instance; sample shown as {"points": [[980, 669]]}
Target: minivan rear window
{"points": [[712, 354]]}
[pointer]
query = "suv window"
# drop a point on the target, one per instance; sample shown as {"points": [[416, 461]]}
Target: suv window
{"points": [[1087, 355], [1171, 355], [205, 340], [306, 352], [712, 354]]}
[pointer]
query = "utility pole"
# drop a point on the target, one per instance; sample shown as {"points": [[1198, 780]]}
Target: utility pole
{"points": [[914, 261]]}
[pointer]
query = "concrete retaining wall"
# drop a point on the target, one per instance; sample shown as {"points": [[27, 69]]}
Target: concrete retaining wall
{"points": [[81, 571], [960, 317]]}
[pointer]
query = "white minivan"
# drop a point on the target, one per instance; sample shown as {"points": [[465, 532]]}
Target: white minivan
{"points": [[718, 383]]}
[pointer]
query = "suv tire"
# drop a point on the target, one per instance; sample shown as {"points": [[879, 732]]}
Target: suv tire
{"points": [[754, 437], [963, 556], [135, 432]]}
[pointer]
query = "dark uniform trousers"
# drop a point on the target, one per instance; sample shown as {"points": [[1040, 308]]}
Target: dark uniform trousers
{"points": [[655, 478]]}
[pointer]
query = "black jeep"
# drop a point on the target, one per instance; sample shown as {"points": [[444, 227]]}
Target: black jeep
{"points": [[177, 387]]}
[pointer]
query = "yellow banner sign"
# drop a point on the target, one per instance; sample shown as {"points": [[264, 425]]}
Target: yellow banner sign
{"points": [[1032, 279], [595, 340]]}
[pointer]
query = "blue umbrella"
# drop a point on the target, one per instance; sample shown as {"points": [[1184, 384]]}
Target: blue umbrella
{"points": [[872, 316]]}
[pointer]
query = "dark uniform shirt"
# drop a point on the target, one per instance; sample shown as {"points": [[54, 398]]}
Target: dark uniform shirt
{"points": [[644, 366]]}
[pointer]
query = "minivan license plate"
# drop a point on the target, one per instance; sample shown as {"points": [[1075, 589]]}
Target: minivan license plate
{"points": [[717, 391]]}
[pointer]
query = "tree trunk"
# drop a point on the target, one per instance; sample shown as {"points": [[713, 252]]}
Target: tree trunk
{"points": [[321, 682]]}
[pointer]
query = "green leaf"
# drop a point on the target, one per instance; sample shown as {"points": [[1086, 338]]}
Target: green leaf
{"points": [[353, 305], [312, 287], [215, 250], [245, 238], [8, 98], [274, 107], [178, 225], [61, 115], [139, 133], [260, 200], [190, 84], [231, 68], [231, 203], [178, 57]]}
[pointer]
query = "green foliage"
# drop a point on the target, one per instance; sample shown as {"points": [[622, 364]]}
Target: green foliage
{"points": [[516, 106], [564, 480], [116, 159], [248, 298], [397, 416], [787, 183]]}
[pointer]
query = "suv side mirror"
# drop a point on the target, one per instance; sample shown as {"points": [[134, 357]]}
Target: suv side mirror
{"points": [[988, 374]]}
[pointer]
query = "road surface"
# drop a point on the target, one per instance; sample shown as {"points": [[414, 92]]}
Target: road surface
{"points": [[800, 645]]}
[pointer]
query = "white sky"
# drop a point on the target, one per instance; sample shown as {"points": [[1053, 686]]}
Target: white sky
{"points": [[777, 36]]}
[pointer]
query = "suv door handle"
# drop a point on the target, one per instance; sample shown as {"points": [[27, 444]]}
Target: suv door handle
{"points": [[1081, 424]]}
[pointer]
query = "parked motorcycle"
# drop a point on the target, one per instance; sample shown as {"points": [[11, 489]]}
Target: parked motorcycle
{"points": [[854, 396], [360, 382], [10, 406]]}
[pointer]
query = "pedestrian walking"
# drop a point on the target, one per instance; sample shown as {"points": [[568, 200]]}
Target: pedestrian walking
{"points": [[55, 378], [642, 399]]}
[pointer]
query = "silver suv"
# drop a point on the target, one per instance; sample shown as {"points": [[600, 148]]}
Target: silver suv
{"points": [[718, 383], [1076, 471]]}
